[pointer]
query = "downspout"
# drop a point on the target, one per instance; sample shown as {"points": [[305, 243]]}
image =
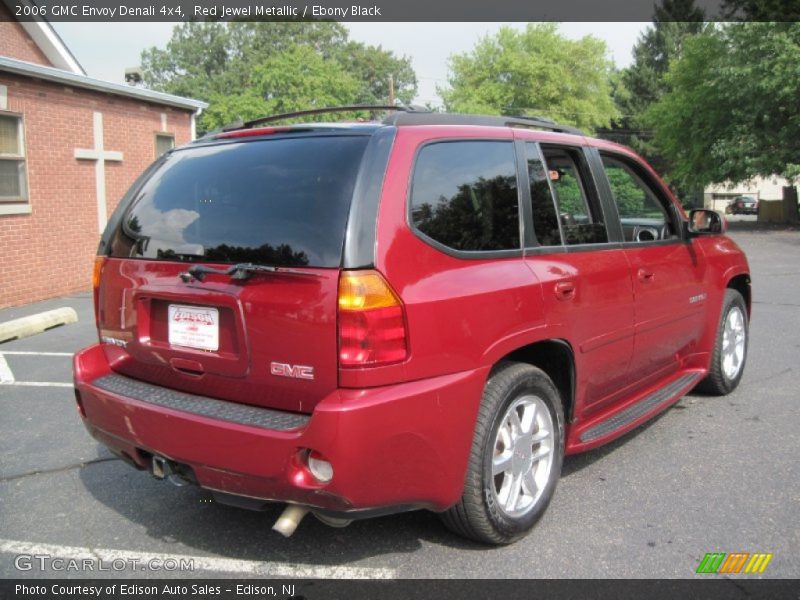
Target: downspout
{"points": [[193, 123]]}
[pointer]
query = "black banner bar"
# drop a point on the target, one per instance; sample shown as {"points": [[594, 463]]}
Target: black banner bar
{"points": [[388, 10], [440, 589]]}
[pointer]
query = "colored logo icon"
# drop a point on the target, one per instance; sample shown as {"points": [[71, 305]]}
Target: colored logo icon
{"points": [[736, 562]]}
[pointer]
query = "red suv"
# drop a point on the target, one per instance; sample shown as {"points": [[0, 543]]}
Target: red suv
{"points": [[428, 311]]}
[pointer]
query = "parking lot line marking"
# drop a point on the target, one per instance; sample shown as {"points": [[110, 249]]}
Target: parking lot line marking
{"points": [[38, 383], [24, 353], [201, 563], [6, 376]]}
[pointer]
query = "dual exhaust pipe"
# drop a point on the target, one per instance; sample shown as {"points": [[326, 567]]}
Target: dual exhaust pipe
{"points": [[292, 515], [163, 468], [290, 518]]}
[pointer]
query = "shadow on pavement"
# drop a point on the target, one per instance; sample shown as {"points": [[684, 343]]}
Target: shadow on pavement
{"points": [[189, 516]]}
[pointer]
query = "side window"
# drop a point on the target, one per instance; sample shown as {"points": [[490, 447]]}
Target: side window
{"points": [[543, 208], [13, 183], [464, 195], [576, 198], [643, 215], [164, 143]]}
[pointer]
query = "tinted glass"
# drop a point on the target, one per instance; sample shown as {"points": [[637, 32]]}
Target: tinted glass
{"points": [[578, 205], [464, 195], [633, 197], [277, 202], [545, 220]]}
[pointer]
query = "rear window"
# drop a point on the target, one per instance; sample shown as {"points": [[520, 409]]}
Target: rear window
{"points": [[278, 202]]}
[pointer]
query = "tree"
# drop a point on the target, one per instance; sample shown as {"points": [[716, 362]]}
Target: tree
{"points": [[644, 82], [760, 10], [731, 111], [534, 71], [367, 63], [224, 64], [296, 79], [656, 49]]}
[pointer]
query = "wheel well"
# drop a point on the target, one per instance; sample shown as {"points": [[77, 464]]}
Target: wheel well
{"points": [[555, 358], [741, 283]]}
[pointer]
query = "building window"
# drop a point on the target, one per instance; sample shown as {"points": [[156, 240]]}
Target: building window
{"points": [[164, 143], [13, 184]]}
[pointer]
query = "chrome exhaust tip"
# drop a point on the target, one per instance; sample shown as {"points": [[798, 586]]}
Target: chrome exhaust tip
{"points": [[160, 467], [289, 520], [163, 469]]}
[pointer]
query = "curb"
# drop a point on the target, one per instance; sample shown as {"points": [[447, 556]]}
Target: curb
{"points": [[38, 323]]}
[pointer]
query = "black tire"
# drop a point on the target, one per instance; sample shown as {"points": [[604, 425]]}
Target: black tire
{"points": [[718, 382], [478, 515]]}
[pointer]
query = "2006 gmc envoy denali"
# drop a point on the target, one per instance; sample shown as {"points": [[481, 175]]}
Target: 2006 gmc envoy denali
{"points": [[427, 311]]}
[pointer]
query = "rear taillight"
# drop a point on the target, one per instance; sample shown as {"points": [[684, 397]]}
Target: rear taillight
{"points": [[99, 263], [372, 327]]}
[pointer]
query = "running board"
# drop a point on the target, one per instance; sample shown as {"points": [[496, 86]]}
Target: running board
{"points": [[625, 417]]}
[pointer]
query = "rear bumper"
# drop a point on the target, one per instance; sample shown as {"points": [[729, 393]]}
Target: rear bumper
{"points": [[397, 446]]}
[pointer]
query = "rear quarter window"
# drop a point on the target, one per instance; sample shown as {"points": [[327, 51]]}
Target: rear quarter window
{"points": [[464, 195], [276, 202]]}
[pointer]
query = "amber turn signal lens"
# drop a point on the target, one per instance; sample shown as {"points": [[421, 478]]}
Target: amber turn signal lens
{"points": [[99, 261], [364, 290]]}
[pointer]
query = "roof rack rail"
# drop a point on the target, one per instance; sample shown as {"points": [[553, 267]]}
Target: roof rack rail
{"points": [[432, 118], [319, 111]]}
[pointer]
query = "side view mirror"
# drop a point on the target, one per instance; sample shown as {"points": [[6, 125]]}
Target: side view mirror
{"points": [[703, 221]]}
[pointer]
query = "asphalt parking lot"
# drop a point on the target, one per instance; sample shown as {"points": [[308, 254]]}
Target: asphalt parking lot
{"points": [[709, 475]]}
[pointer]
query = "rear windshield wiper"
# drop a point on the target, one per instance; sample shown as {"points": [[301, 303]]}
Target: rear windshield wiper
{"points": [[239, 272]]}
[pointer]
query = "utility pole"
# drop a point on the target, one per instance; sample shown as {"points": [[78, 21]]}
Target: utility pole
{"points": [[391, 90]]}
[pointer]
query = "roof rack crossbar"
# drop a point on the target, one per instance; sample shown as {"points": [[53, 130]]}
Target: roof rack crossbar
{"points": [[317, 111]]}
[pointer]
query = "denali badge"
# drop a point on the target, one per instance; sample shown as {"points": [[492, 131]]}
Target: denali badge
{"points": [[697, 298], [295, 371]]}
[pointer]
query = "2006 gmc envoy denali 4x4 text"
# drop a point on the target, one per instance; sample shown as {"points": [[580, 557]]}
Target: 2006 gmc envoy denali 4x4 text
{"points": [[427, 311]]}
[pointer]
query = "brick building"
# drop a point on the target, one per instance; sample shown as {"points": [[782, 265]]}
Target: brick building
{"points": [[70, 146]]}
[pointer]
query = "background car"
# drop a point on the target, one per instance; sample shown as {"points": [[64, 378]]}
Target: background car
{"points": [[743, 205]]}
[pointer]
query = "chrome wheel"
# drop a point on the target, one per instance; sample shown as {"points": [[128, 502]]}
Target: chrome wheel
{"points": [[733, 343], [523, 455]]}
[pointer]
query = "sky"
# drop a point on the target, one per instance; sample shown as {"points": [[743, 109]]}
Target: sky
{"points": [[106, 49]]}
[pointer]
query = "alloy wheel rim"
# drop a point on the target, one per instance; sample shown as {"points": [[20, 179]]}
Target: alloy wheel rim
{"points": [[522, 457], [733, 343]]}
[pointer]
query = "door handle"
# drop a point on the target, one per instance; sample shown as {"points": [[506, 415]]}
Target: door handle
{"points": [[192, 368], [645, 275], [565, 290]]}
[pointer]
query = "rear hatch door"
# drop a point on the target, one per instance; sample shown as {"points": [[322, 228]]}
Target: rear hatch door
{"points": [[175, 309]]}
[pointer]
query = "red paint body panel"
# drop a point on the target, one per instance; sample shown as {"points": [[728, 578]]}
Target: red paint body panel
{"points": [[400, 434], [265, 319], [382, 452], [597, 320]]}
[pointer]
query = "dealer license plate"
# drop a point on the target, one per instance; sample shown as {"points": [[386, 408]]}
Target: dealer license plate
{"points": [[194, 327]]}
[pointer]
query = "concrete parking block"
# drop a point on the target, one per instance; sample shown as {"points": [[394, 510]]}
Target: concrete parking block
{"points": [[38, 323]]}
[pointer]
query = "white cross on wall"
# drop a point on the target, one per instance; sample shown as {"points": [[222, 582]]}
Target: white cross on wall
{"points": [[100, 155]]}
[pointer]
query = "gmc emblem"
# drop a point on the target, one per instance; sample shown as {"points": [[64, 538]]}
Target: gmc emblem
{"points": [[294, 371]]}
